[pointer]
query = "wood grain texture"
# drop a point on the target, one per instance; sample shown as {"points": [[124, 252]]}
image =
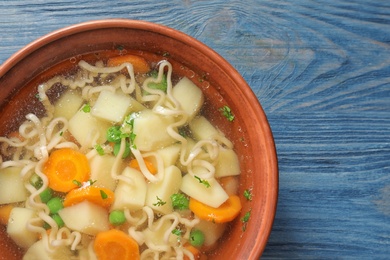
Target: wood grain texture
{"points": [[321, 70]]}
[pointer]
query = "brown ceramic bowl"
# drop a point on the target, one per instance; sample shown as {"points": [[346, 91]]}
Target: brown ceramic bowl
{"points": [[221, 83]]}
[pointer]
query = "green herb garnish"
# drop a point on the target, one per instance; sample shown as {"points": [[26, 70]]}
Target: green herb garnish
{"points": [[180, 201], [176, 232], [76, 182], [103, 194], [227, 112], [162, 85], [99, 149], [248, 194], [245, 220], [159, 202], [91, 182], [86, 108], [114, 134], [204, 182]]}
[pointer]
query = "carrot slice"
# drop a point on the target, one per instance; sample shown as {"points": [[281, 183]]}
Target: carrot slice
{"points": [[114, 244], [98, 195], [224, 213], [64, 167], [5, 212], [140, 65], [149, 165]]}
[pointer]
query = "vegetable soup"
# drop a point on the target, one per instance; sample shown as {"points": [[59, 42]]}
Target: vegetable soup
{"points": [[119, 161]]}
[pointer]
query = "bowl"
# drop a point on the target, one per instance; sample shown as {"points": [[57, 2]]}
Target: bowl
{"points": [[219, 81]]}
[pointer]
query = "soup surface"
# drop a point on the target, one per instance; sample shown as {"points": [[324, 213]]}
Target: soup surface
{"points": [[118, 161]]}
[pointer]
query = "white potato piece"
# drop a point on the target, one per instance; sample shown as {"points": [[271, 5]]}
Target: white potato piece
{"points": [[202, 129], [68, 104], [212, 231], [189, 96], [130, 196], [38, 252], [212, 196], [110, 106], [101, 166], [17, 227], [227, 164], [85, 217], [163, 190], [151, 130], [12, 187], [169, 154], [83, 126]]}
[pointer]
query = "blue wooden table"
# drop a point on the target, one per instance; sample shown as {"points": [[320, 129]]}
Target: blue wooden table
{"points": [[321, 70]]}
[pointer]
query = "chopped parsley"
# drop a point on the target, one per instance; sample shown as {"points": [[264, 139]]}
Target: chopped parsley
{"points": [[77, 183], [159, 202], [103, 194], [245, 220], [86, 108], [204, 182], [248, 194], [99, 149], [114, 134], [162, 85], [176, 232], [37, 96], [227, 112], [180, 201], [84, 184]]}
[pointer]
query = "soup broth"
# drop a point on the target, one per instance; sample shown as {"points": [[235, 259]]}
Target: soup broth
{"points": [[117, 149]]}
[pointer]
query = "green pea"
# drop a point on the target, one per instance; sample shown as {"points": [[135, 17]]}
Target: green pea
{"points": [[117, 217], [55, 204], [127, 151], [46, 195], [58, 220], [196, 238]]}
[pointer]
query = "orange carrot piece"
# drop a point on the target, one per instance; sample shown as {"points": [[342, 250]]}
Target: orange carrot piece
{"points": [[97, 195], [149, 165], [64, 167], [5, 212], [140, 65], [115, 244], [224, 213]]}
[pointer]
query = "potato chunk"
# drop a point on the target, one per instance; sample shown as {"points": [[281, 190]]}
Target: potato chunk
{"points": [[212, 196], [68, 104], [151, 131], [131, 196], [12, 187], [112, 107], [85, 217], [17, 227], [189, 96], [38, 251], [83, 126], [163, 190]]}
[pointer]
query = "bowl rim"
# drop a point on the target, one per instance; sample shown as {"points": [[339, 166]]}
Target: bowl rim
{"points": [[272, 194]]}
